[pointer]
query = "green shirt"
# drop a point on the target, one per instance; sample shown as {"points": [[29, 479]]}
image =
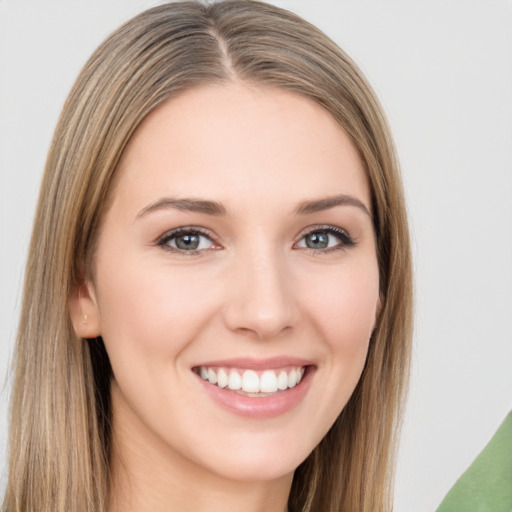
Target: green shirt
{"points": [[487, 485]]}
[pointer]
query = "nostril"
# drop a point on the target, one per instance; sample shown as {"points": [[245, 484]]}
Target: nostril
{"points": [[264, 331]]}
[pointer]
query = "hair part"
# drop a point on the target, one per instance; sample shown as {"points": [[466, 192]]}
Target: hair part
{"points": [[60, 408]]}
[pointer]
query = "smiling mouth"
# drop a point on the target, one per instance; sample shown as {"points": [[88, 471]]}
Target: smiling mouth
{"points": [[252, 383]]}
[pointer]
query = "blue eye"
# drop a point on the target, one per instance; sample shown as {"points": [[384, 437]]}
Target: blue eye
{"points": [[324, 239], [187, 240]]}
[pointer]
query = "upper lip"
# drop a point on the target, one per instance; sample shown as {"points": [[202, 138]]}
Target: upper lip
{"points": [[258, 364]]}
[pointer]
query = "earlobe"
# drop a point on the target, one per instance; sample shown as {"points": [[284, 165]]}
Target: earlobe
{"points": [[83, 310]]}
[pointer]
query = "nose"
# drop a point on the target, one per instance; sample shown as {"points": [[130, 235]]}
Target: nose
{"points": [[261, 302]]}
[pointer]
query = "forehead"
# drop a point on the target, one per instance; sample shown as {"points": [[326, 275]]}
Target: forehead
{"points": [[237, 142]]}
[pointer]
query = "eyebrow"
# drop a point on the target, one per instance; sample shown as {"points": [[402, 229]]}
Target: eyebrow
{"points": [[187, 205], [318, 205], [217, 209]]}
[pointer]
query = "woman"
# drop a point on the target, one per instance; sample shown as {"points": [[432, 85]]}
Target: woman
{"points": [[217, 305]]}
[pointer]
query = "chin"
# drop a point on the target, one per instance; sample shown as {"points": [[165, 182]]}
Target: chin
{"points": [[257, 457], [263, 469]]}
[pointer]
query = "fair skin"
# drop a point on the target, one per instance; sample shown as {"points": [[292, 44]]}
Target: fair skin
{"points": [[274, 271]]}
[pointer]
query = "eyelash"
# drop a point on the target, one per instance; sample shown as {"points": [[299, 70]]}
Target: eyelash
{"points": [[191, 230], [345, 240]]}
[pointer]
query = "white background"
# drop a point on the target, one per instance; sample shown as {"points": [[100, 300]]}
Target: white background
{"points": [[443, 71]]}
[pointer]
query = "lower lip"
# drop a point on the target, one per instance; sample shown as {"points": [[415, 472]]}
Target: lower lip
{"points": [[259, 408]]}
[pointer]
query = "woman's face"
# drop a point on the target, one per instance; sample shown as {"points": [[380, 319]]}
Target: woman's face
{"points": [[238, 251]]}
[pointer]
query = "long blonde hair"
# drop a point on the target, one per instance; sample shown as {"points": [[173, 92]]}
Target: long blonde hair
{"points": [[60, 410]]}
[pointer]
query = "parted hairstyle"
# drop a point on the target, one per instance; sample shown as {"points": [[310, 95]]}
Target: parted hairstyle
{"points": [[60, 409]]}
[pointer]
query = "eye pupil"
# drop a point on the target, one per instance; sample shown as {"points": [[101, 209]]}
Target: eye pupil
{"points": [[189, 241], [317, 240]]}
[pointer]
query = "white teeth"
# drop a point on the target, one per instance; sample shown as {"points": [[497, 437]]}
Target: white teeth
{"points": [[212, 376], [282, 381], [250, 382], [268, 382], [235, 381], [222, 378], [292, 378]]}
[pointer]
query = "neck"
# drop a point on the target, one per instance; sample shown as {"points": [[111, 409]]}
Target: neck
{"points": [[138, 488], [148, 477]]}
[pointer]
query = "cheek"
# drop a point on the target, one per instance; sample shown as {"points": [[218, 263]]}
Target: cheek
{"points": [[151, 310], [345, 308]]}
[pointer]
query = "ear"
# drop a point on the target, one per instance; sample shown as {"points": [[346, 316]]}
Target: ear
{"points": [[84, 311]]}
